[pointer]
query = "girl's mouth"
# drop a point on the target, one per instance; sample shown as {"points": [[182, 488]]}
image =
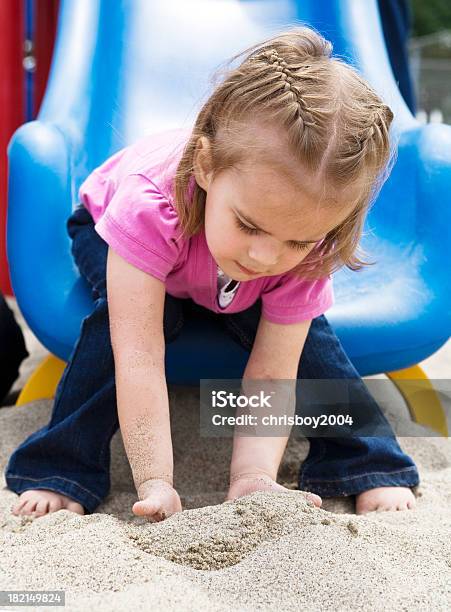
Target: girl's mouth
{"points": [[246, 270]]}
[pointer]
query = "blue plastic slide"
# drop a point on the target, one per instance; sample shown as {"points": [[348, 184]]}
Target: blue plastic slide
{"points": [[124, 68]]}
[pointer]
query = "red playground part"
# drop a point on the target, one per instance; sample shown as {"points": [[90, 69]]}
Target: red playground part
{"points": [[13, 88], [12, 104]]}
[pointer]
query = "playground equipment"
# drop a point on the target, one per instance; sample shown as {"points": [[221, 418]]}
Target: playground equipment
{"points": [[122, 69]]}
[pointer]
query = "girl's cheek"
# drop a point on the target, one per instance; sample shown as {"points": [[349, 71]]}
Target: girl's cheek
{"points": [[297, 259]]}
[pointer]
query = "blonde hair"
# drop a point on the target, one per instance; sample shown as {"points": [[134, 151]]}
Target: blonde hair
{"points": [[337, 127]]}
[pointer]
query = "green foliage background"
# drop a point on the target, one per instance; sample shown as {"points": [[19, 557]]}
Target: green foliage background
{"points": [[429, 16]]}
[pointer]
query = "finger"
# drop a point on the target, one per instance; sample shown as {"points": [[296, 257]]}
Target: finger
{"points": [[161, 515], [145, 508]]}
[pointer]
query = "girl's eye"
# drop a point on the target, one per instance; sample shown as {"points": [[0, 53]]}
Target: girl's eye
{"points": [[298, 246], [251, 230], [245, 228]]}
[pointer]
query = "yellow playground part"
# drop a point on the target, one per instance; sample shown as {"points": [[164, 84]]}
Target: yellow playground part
{"points": [[421, 398], [43, 382]]}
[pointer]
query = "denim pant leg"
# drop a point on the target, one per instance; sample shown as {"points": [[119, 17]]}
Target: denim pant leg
{"points": [[71, 454], [337, 466]]}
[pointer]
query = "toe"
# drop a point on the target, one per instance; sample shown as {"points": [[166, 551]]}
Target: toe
{"points": [[75, 507], [55, 504], [316, 499], [42, 507], [18, 507], [360, 508], [29, 507], [367, 507]]}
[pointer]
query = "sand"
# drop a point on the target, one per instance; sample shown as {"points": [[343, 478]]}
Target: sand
{"points": [[266, 551]]}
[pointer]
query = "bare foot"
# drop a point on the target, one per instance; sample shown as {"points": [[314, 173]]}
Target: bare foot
{"points": [[245, 484], [39, 502], [385, 498]]}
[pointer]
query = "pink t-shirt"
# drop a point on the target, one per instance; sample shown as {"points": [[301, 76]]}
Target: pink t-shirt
{"points": [[131, 199]]}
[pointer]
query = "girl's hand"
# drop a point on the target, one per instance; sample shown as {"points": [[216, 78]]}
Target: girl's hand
{"points": [[247, 483], [159, 500]]}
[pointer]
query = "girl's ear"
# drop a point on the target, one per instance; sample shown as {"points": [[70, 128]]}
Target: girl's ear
{"points": [[202, 163]]}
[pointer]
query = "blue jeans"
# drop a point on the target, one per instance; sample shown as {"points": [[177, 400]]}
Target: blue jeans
{"points": [[71, 454]]}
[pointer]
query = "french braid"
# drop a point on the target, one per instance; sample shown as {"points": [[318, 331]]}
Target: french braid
{"points": [[280, 66]]}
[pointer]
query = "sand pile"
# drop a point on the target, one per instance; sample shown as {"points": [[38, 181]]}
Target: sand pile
{"points": [[267, 551]]}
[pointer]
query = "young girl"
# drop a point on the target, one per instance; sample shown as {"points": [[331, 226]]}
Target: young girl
{"points": [[244, 217]]}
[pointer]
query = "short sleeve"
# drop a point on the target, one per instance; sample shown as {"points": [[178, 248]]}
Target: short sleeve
{"points": [[292, 299], [142, 226]]}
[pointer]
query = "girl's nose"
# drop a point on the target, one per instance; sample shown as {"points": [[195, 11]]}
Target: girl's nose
{"points": [[263, 255]]}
